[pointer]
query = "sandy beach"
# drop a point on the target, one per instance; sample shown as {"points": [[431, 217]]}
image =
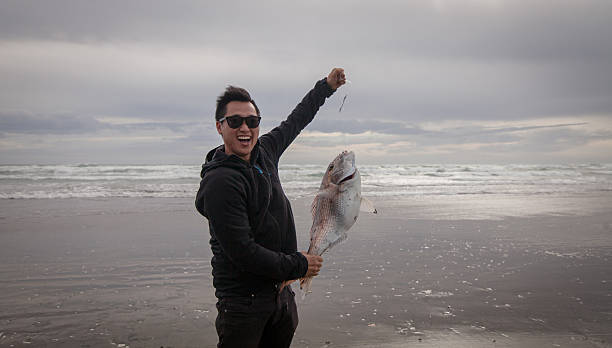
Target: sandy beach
{"points": [[136, 272]]}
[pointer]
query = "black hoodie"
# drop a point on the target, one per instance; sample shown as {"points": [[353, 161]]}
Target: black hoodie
{"points": [[249, 217]]}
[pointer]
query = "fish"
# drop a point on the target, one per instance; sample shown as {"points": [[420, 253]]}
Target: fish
{"points": [[335, 208]]}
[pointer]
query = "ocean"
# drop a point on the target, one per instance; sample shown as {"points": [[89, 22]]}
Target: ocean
{"points": [[391, 181]]}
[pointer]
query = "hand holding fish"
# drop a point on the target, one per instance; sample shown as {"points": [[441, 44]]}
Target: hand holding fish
{"points": [[336, 78], [314, 264]]}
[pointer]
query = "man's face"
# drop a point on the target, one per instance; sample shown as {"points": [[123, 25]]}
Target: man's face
{"points": [[239, 141]]}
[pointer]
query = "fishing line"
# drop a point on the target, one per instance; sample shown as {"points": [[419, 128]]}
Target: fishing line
{"points": [[344, 99], [340, 110]]}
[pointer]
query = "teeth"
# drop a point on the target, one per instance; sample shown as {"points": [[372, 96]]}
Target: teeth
{"points": [[244, 138]]}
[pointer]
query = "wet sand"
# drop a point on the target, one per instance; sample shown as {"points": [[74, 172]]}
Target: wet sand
{"points": [[136, 272]]}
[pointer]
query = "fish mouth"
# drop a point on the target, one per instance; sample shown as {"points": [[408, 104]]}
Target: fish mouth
{"points": [[348, 177]]}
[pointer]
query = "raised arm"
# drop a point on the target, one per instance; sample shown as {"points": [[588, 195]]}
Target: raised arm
{"points": [[279, 138]]}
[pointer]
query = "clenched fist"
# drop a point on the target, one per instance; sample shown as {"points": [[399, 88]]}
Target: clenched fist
{"points": [[336, 78]]}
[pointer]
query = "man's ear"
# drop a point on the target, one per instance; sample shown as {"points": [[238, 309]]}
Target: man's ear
{"points": [[218, 127]]}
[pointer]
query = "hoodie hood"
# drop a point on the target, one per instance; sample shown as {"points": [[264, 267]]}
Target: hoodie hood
{"points": [[217, 158]]}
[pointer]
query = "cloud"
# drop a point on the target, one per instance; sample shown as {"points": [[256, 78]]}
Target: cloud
{"points": [[356, 126], [26, 123], [527, 128], [491, 29], [426, 77], [535, 141]]}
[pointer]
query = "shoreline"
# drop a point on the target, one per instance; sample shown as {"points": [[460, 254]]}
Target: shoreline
{"points": [[137, 272]]}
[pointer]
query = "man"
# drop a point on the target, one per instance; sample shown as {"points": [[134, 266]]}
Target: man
{"points": [[251, 225]]}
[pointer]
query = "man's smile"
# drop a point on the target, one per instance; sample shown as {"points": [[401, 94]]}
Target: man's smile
{"points": [[244, 139]]}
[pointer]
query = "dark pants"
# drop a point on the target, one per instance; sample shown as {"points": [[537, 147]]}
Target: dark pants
{"points": [[259, 320]]}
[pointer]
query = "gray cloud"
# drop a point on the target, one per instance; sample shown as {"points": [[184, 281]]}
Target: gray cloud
{"points": [[440, 60], [356, 126], [26, 123], [64, 62], [498, 132], [542, 29], [541, 135]]}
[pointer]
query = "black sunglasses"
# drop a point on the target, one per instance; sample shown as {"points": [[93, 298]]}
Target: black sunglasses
{"points": [[236, 121]]}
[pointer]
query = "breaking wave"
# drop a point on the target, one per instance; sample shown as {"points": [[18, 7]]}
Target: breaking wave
{"points": [[175, 181]]}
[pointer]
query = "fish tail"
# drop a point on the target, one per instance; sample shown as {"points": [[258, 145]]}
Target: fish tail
{"points": [[305, 284]]}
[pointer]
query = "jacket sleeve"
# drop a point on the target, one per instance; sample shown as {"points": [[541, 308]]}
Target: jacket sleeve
{"points": [[224, 200], [279, 138]]}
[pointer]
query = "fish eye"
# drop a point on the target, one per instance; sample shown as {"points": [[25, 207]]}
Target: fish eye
{"points": [[331, 166]]}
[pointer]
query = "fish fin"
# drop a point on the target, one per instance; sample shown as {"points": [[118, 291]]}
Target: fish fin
{"points": [[337, 241], [367, 206]]}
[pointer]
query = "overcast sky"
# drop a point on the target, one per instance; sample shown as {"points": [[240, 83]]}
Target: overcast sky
{"points": [[432, 81]]}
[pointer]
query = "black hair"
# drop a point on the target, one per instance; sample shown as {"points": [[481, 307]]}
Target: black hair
{"points": [[231, 94]]}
